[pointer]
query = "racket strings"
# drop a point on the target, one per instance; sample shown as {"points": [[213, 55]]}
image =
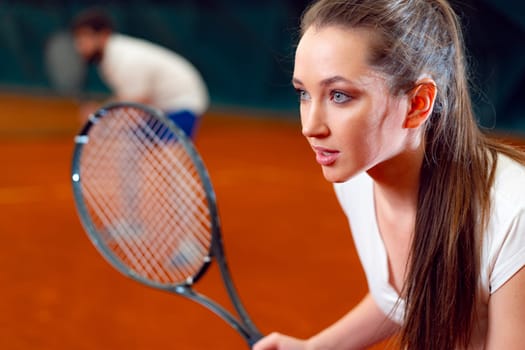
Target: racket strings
{"points": [[152, 248], [128, 250], [195, 195], [176, 154], [121, 235], [145, 197], [183, 221], [177, 184], [156, 130], [156, 161]]}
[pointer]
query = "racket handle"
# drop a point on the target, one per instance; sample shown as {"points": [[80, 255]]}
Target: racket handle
{"points": [[249, 335], [254, 338]]}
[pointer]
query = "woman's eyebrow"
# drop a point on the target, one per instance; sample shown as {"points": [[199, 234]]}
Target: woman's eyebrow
{"points": [[327, 81], [296, 81], [334, 79]]}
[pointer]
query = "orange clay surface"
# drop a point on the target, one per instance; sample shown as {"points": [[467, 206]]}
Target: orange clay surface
{"points": [[287, 241]]}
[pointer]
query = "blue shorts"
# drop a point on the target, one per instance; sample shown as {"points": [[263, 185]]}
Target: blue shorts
{"points": [[186, 120]]}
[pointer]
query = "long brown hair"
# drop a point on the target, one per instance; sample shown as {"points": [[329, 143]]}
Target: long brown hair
{"points": [[416, 37]]}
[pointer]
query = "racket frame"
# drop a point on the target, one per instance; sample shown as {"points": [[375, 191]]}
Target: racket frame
{"points": [[245, 328]]}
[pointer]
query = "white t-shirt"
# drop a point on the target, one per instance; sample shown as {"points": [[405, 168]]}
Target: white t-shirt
{"points": [[503, 250], [137, 69]]}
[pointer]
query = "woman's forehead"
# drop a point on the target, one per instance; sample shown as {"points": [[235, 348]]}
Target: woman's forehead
{"points": [[333, 50]]}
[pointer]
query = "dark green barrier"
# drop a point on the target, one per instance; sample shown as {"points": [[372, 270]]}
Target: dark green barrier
{"points": [[245, 49]]}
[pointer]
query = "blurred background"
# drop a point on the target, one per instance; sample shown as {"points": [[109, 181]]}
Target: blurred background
{"points": [[288, 243], [245, 49]]}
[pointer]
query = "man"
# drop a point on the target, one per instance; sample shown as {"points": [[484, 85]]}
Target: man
{"points": [[142, 72]]}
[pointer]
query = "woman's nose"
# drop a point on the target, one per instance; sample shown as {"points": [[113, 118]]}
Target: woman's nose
{"points": [[313, 119]]}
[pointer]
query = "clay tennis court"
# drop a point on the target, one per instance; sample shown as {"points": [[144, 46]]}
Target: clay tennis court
{"points": [[287, 241]]}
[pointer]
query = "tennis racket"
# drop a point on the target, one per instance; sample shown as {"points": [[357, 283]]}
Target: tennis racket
{"points": [[146, 201]]}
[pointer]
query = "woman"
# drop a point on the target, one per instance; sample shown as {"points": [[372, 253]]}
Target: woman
{"points": [[437, 209]]}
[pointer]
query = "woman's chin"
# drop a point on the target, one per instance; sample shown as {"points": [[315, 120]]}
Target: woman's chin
{"points": [[334, 176]]}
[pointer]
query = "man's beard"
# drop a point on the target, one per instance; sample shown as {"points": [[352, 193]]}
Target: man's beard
{"points": [[95, 57]]}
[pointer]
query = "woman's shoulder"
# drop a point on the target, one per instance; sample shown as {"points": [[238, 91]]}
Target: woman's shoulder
{"points": [[509, 182], [504, 240]]}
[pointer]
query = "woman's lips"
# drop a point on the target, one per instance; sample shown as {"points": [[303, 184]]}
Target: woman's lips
{"points": [[325, 156]]}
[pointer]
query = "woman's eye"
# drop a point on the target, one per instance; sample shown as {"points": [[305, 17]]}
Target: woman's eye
{"points": [[339, 97], [303, 95]]}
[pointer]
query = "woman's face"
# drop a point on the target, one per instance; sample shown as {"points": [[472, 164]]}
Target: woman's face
{"points": [[349, 117]]}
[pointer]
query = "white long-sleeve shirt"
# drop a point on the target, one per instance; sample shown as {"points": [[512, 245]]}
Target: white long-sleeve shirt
{"points": [[136, 69]]}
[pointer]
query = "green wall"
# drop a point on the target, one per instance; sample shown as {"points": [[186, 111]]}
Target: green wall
{"points": [[245, 49]]}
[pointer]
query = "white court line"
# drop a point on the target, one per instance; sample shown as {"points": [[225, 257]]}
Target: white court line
{"points": [[33, 194]]}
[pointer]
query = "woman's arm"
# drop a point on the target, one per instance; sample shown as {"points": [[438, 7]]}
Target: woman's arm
{"points": [[362, 327], [507, 315]]}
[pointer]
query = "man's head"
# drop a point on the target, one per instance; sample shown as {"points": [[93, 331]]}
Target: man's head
{"points": [[91, 30]]}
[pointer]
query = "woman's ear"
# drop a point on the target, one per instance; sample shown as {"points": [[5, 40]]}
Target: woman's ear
{"points": [[421, 103]]}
